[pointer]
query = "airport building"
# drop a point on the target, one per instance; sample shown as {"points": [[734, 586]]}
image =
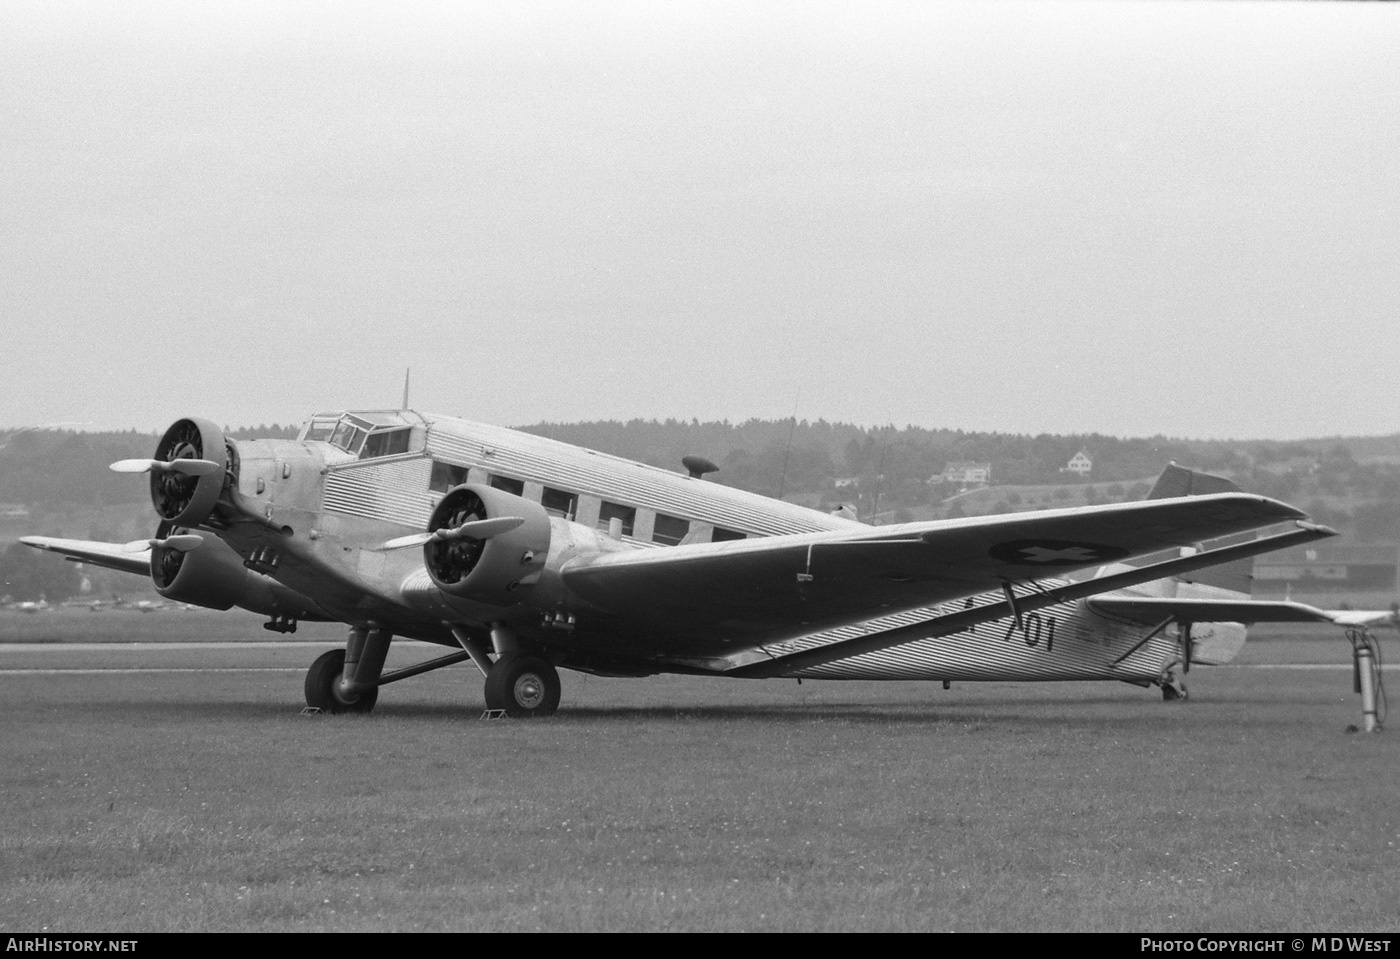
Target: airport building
{"points": [[1331, 576]]}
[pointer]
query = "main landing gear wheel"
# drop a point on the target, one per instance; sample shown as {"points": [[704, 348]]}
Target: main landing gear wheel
{"points": [[1174, 690], [322, 680], [523, 685]]}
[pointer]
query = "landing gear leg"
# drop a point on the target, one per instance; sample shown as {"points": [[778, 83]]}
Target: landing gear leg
{"points": [[347, 680], [523, 685]]}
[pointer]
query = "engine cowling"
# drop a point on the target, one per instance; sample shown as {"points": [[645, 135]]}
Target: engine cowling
{"points": [[213, 576], [500, 570], [188, 500]]}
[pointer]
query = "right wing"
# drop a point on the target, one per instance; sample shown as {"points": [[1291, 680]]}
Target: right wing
{"points": [[110, 555], [713, 597]]}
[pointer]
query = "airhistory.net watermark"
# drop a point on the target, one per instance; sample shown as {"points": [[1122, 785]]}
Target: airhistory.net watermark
{"points": [[49, 944]]}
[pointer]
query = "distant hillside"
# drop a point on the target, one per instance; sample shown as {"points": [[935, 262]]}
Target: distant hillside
{"points": [[58, 482]]}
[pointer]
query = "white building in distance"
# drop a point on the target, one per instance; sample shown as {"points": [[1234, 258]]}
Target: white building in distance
{"points": [[966, 474], [1079, 463]]}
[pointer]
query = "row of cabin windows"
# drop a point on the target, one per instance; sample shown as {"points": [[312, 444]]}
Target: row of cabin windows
{"points": [[666, 530]]}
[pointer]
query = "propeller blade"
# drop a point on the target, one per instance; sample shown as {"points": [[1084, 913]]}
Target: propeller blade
{"points": [[133, 466], [403, 542], [482, 528], [193, 467], [185, 467], [476, 529], [181, 543]]}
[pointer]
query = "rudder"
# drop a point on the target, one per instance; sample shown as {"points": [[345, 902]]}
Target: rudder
{"points": [[1236, 576]]}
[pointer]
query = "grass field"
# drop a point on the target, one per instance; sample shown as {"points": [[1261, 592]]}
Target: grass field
{"points": [[203, 801]]}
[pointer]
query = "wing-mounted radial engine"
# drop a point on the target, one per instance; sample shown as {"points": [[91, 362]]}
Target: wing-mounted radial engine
{"points": [[203, 570], [486, 545], [188, 472]]}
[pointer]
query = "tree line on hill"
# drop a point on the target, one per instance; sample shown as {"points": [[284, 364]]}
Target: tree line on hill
{"points": [[1351, 483]]}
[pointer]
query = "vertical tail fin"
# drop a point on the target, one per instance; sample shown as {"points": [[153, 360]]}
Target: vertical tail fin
{"points": [[1236, 576]]}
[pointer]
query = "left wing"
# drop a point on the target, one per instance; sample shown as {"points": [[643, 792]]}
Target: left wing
{"points": [[724, 596], [110, 555]]}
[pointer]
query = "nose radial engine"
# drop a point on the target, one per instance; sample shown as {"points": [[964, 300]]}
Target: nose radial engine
{"points": [[187, 500]]}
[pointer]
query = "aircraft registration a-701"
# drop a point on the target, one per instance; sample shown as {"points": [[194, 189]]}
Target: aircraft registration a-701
{"points": [[526, 555]]}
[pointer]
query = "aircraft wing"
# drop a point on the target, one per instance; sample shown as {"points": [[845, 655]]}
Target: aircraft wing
{"points": [[110, 555], [1150, 611], [734, 594]]}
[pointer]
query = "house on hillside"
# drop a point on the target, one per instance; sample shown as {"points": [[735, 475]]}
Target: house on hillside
{"points": [[965, 474], [1079, 463]]}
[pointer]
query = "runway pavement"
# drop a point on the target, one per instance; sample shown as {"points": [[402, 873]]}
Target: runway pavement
{"points": [[33, 659]]}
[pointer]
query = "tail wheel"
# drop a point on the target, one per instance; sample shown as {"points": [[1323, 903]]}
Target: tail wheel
{"points": [[1174, 690], [322, 680], [523, 685]]}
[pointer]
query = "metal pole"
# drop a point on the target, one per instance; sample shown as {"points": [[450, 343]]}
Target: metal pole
{"points": [[1366, 668], [1364, 674]]}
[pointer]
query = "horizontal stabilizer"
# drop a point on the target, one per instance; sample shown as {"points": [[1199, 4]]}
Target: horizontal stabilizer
{"points": [[1150, 611]]}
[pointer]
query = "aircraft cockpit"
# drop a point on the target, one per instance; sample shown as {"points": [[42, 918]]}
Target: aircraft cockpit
{"points": [[366, 435]]}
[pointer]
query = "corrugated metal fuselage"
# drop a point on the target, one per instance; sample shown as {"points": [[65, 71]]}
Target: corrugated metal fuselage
{"points": [[327, 514]]}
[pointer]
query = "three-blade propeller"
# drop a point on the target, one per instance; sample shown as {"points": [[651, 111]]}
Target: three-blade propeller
{"points": [[476, 529], [185, 467], [181, 543]]}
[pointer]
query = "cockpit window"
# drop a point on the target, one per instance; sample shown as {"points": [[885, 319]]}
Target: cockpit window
{"points": [[386, 443], [367, 436], [319, 429], [348, 436]]}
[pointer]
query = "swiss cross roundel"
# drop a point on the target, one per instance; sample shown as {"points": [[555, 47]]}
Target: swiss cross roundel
{"points": [[1055, 552]]}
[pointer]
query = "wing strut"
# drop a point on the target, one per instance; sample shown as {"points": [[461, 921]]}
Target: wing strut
{"points": [[1146, 639], [989, 612], [1010, 595]]}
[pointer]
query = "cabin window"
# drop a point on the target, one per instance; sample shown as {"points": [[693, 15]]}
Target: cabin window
{"points": [[513, 486], [557, 502], [720, 535], [386, 443], [607, 512], [446, 476], [669, 530]]}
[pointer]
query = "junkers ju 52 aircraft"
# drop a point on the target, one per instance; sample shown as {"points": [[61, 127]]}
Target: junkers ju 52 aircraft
{"points": [[527, 555]]}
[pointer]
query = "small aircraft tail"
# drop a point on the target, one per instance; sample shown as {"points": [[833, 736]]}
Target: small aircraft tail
{"points": [[1213, 643], [1235, 578]]}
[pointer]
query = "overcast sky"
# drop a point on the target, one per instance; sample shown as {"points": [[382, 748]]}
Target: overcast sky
{"points": [[1129, 217]]}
